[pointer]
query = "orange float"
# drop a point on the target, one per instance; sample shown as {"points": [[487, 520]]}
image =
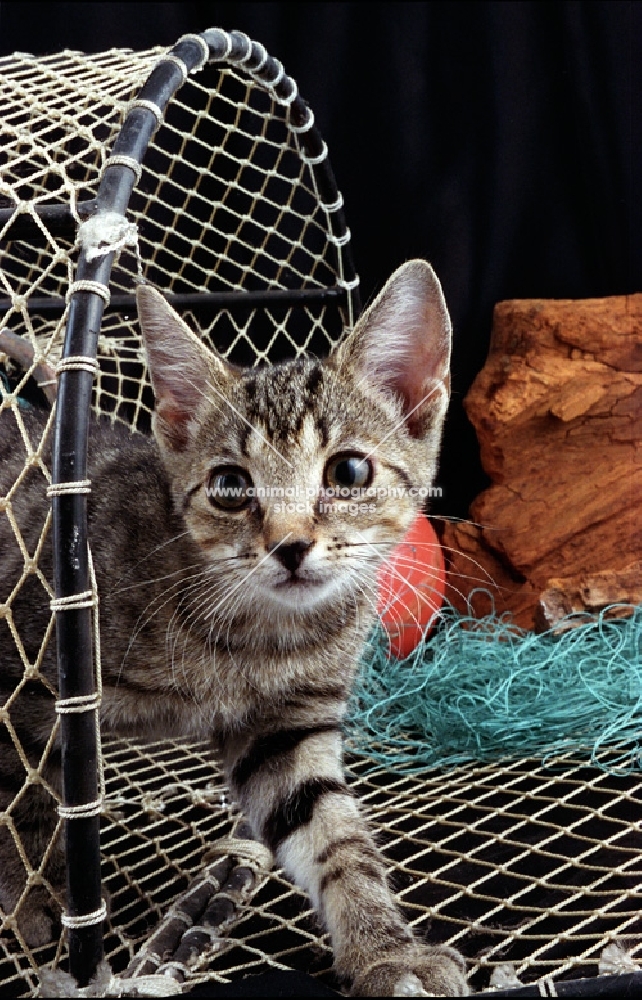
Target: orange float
{"points": [[411, 587]]}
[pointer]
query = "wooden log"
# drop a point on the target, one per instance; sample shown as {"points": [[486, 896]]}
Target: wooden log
{"points": [[615, 591], [558, 413]]}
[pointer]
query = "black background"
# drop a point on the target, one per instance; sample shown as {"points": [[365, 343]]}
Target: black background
{"points": [[501, 141]]}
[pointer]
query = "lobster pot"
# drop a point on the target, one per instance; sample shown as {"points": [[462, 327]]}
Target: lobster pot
{"points": [[201, 170]]}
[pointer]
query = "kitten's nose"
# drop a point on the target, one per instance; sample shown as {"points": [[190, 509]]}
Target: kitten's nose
{"points": [[291, 554]]}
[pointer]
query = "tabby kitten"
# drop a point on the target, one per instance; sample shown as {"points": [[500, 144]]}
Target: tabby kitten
{"points": [[236, 598]]}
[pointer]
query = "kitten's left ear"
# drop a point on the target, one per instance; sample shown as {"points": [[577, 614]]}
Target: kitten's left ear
{"points": [[401, 345], [181, 368]]}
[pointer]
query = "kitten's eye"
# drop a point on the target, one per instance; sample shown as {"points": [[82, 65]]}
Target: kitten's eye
{"points": [[349, 472], [228, 486]]}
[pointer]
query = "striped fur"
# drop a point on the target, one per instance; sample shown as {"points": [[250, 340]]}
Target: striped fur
{"points": [[246, 624]]}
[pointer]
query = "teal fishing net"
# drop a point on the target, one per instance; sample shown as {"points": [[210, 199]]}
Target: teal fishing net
{"points": [[485, 690]]}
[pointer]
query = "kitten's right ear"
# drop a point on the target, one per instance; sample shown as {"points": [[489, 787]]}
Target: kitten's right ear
{"points": [[181, 368]]}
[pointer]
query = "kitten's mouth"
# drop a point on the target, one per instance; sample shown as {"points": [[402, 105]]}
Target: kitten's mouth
{"points": [[297, 590], [298, 582]]}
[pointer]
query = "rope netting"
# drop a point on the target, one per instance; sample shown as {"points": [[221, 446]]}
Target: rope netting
{"points": [[225, 202], [519, 865], [522, 865]]}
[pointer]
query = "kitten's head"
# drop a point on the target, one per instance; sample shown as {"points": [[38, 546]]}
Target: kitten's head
{"points": [[296, 480]]}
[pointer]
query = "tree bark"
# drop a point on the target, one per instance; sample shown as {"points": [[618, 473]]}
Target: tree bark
{"points": [[558, 413]]}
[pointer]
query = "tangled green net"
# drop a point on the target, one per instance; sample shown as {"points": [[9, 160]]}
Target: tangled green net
{"points": [[485, 690]]}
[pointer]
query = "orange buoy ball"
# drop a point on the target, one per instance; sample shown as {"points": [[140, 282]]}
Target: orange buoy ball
{"points": [[411, 587]]}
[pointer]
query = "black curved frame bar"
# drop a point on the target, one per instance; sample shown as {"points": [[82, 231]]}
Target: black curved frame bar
{"points": [[71, 566]]}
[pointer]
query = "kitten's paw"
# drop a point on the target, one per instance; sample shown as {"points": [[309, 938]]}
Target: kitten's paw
{"points": [[38, 918], [425, 972]]}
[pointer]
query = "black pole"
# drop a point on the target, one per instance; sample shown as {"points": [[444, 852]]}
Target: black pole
{"points": [[628, 984], [208, 300]]}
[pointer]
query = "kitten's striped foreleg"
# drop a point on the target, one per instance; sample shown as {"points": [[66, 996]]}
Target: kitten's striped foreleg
{"points": [[290, 783]]}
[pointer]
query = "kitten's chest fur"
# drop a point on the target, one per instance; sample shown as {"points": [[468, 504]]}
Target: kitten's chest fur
{"points": [[170, 676]]}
